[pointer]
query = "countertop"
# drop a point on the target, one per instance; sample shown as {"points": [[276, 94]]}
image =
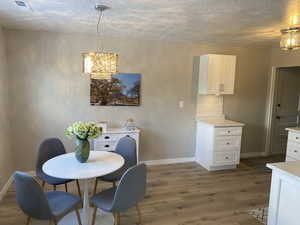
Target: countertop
{"points": [[293, 129], [120, 130], [287, 168], [220, 122]]}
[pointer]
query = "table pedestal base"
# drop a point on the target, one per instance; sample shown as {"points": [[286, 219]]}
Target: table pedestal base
{"points": [[102, 218]]}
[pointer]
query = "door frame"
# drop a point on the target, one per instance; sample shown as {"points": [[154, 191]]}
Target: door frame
{"points": [[270, 109]]}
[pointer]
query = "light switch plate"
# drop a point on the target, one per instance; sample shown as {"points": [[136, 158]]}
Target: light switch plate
{"points": [[181, 104]]}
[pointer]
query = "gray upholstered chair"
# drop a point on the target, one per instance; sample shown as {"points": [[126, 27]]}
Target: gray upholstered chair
{"points": [[127, 194], [126, 147], [48, 149], [36, 204]]}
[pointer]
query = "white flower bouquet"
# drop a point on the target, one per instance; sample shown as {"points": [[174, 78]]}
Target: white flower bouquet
{"points": [[84, 130]]}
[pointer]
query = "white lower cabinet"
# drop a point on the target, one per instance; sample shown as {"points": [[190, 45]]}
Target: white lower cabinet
{"points": [[218, 148], [293, 145], [284, 200]]}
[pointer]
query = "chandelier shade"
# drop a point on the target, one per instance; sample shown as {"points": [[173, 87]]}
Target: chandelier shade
{"points": [[290, 38], [100, 65]]}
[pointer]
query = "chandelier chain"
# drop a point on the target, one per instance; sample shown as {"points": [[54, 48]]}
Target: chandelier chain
{"points": [[100, 42]]}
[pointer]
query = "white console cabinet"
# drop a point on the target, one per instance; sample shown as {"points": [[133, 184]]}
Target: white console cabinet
{"points": [[218, 144], [109, 139]]}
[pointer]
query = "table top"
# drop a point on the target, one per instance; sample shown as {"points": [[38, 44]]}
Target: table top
{"points": [[66, 166]]}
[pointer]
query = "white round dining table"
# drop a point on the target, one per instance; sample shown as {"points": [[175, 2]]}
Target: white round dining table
{"points": [[66, 166]]}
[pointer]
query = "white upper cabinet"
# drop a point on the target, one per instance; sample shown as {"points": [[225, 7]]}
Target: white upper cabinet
{"points": [[216, 74]]}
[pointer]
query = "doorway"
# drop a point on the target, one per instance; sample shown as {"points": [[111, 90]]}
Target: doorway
{"points": [[285, 107]]}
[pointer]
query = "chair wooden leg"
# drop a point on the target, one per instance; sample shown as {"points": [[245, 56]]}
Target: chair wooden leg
{"points": [[78, 217], [119, 219], [114, 184], [94, 215], [95, 186], [28, 220], [115, 219], [54, 187], [43, 185], [54, 221], [78, 188], [79, 192], [66, 187], [139, 213]]}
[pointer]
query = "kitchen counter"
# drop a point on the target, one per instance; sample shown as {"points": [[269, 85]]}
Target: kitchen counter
{"points": [[294, 129], [220, 122], [285, 194], [291, 169]]}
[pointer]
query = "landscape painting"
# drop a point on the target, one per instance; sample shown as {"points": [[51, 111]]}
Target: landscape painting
{"points": [[122, 90]]}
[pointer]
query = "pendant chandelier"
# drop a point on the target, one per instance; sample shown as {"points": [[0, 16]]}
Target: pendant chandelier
{"points": [[290, 38], [100, 65]]}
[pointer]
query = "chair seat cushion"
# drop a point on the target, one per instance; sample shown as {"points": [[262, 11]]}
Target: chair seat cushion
{"points": [[104, 199], [115, 176], [61, 202], [52, 180]]}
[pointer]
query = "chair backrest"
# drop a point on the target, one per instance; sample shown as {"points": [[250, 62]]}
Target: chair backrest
{"points": [[48, 149], [31, 198], [131, 189], [126, 147]]}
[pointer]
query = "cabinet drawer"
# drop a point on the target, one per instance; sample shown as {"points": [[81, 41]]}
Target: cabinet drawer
{"points": [[108, 137], [226, 158], [228, 131], [227, 143], [115, 137], [104, 146], [294, 137], [293, 150]]}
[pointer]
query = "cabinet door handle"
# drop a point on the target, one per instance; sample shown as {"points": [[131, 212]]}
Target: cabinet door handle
{"points": [[295, 151], [297, 138], [228, 131], [227, 143], [106, 137], [226, 157], [106, 146]]}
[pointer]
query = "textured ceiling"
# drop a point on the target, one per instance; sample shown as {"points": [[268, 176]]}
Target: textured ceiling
{"points": [[246, 22]]}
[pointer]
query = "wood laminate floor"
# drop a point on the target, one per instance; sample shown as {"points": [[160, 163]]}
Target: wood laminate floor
{"points": [[186, 194]]}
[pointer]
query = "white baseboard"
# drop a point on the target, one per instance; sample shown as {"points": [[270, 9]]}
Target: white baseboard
{"points": [[169, 161], [246, 155], [9, 182]]}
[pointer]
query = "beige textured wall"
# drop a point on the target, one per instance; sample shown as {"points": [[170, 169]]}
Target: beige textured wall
{"points": [[6, 163], [248, 104], [49, 91]]}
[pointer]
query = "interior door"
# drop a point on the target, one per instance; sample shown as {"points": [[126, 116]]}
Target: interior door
{"points": [[286, 106]]}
